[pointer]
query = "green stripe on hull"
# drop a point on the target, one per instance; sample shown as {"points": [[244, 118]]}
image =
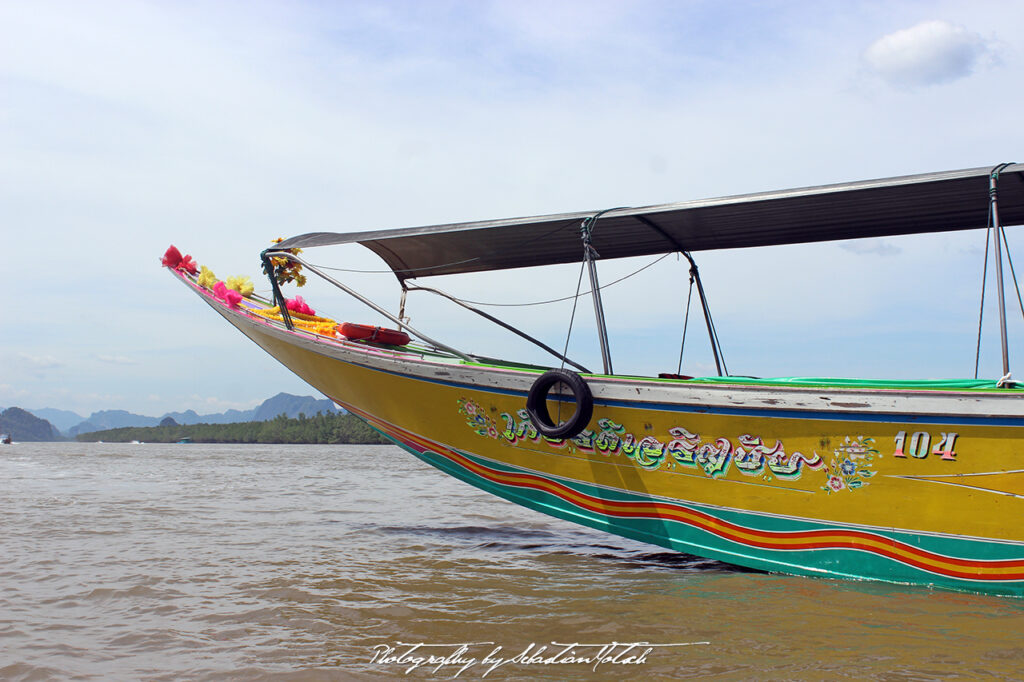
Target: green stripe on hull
{"points": [[857, 564]]}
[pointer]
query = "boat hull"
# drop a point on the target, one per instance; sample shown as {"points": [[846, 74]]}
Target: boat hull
{"points": [[918, 487]]}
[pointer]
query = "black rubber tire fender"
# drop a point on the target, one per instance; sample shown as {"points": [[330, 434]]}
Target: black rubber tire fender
{"points": [[537, 404]]}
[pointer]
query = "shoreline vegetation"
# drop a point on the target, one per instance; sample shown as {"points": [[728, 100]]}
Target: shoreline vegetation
{"points": [[318, 429]]}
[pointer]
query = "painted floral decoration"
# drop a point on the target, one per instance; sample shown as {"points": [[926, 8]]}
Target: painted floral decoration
{"points": [[477, 420], [851, 465]]}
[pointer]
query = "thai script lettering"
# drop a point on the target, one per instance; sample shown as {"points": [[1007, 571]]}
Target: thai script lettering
{"points": [[749, 454]]}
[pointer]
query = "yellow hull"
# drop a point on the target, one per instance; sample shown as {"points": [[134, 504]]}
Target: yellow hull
{"points": [[918, 486]]}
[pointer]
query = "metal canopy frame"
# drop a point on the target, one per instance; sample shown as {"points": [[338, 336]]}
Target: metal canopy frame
{"points": [[914, 204], [931, 202]]}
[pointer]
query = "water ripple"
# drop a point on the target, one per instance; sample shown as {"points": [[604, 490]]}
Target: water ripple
{"points": [[293, 562]]}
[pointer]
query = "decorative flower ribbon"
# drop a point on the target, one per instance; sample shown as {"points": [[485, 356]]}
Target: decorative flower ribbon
{"points": [[174, 260]]}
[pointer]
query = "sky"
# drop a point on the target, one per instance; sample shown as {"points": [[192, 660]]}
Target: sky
{"points": [[217, 126]]}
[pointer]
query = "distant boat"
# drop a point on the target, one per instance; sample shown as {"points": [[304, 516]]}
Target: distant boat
{"points": [[182, 441], [5, 439], [918, 482]]}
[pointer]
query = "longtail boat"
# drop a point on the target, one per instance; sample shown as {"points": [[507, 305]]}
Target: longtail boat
{"points": [[912, 482]]}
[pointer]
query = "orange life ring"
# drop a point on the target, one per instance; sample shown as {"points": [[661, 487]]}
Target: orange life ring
{"points": [[355, 332]]}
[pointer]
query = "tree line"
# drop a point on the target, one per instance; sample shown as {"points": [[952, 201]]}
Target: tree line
{"points": [[318, 429]]}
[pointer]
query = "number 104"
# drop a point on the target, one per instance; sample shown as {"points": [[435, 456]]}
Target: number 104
{"points": [[919, 442]]}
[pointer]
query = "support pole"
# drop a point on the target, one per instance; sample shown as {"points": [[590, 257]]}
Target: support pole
{"points": [[589, 255], [279, 300], [992, 180], [695, 275], [602, 327]]}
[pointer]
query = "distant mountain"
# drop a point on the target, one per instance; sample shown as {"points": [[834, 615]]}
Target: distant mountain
{"points": [[282, 403], [22, 425], [62, 419], [229, 417], [111, 419], [292, 406], [84, 427]]}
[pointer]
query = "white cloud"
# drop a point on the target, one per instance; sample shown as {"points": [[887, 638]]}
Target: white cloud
{"points": [[11, 393], [40, 361], [928, 53], [117, 360], [216, 404], [874, 247], [217, 126]]}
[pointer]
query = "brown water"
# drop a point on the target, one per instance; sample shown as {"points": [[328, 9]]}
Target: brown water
{"points": [[170, 562]]}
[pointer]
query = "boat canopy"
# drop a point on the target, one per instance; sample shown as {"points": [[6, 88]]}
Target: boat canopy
{"points": [[912, 204]]}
